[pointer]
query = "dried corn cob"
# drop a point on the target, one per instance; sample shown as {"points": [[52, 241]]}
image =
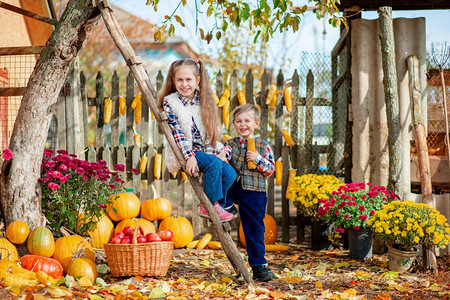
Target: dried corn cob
{"points": [[251, 147], [278, 172], [143, 164], [216, 99], [157, 166], [226, 113], [107, 110], [272, 93], [136, 100], [138, 112], [241, 97], [122, 105], [288, 100], [224, 98], [288, 138]]}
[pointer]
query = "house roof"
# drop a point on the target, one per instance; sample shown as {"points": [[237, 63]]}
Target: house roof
{"points": [[395, 4]]}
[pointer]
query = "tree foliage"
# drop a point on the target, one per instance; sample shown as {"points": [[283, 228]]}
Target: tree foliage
{"points": [[266, 17]]}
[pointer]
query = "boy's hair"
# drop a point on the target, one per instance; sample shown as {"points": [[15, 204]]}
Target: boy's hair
{"points": [[207, 102], [246, 108]]}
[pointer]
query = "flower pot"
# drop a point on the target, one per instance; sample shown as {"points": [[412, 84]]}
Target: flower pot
{"points": [[320, 231], [399, 260], [360, 243]]}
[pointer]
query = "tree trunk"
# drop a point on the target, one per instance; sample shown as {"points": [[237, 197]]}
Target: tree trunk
{"points": [[391, 99], [19, 187]]}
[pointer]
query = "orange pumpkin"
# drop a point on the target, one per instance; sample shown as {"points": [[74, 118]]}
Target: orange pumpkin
{"points": [[123, 206], [7, 250], [41, 242], [270, 235], [146, 225], [156, 209], [17, 232], [83, 267], [101, 234], [182, 230], [67, 246]]}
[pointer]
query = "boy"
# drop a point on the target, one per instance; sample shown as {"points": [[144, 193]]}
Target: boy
{"points": [[249, 189]]}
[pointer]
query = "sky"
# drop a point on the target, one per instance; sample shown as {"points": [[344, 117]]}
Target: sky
{"points": [[314, 35]]}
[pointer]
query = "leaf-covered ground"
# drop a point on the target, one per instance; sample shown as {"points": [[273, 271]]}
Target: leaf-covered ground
{"points": [[301, 274]]}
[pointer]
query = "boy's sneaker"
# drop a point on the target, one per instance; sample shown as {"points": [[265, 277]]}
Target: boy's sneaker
{"points": [[223, 214], [232, 210], [262, 273]]}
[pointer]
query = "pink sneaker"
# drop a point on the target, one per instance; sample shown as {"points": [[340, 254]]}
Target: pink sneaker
{"points": [[223, 214]]}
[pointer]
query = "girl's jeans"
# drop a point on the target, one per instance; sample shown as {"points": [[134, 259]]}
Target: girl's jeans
{"points": [[218, 177], [252, 210]]}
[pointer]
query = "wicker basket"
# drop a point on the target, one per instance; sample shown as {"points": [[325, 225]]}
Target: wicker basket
{"points": [[146, 259]]}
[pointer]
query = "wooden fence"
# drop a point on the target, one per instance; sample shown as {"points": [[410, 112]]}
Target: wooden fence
{"points": [[74, 106]]}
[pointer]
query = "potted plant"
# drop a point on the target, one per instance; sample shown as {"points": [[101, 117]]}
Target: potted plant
{"points": [[305, 192], [349, 208], [71, 186], [405, 225]]}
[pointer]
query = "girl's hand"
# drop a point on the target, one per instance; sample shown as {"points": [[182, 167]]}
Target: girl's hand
{"points": [[191, 165], [251, 156], [223, 156]]}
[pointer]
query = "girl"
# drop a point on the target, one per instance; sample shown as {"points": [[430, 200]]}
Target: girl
{"points": [[187, 99]]}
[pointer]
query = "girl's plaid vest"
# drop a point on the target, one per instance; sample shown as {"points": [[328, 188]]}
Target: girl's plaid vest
{"points": [[252, 180]]}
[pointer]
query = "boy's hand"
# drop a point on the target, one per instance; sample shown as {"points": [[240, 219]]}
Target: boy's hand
{"points": [[251, 156], [191, 165], [223, 156]]}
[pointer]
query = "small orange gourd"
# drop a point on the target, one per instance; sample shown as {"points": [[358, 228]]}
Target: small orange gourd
{"points": [[156, 209]]}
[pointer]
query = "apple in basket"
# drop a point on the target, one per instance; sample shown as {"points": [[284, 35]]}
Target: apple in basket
{"points": [[116, 240], [166, 235], [128, 230], [126, 240], [153, 237], [141, 239]]}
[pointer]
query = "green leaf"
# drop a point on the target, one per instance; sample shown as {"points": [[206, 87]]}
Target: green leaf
{"points": [[171, 30], [100, 282], [276, 3], [224, 25], [218, 35], [340, 265], [157, 293]]}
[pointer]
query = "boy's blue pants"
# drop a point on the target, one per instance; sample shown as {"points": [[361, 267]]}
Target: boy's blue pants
{"points": [[252, 210]]}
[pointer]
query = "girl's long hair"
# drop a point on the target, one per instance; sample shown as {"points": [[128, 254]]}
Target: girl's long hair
{"points": [[207, 102]]}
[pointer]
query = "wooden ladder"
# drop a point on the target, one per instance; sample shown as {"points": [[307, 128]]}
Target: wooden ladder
{"points": [[149, 95]]}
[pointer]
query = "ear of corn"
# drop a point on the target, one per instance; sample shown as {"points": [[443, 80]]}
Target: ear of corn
{"points": [[43, 278], [288, 100], [216, 98], [136, 100], [226, 113], [272, 93], [107, 110], [274, 248], [215, 245], [226, 137], [224, 98], [137, 140], [288, 138], [241, 97], [184, 176], [138, 112], [278, 172], [174, 174], [153, 116], [192, 244], [292, 173], [157, 166], [143, 164], [204, 241], [122, 105], [251, 146]]}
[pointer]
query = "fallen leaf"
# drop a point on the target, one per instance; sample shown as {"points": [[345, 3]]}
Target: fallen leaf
{"points": [[205, 262], [318, 284], [388, 274], [354, 282], [382, 296], [59, 292], [103, 269], [340, 265], [362, 274], [349, 293], [84, 281], [100, 282], [278, 295], [157, 293]]}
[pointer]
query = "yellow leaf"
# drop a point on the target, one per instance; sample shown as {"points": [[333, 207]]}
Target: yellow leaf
{"points": [[84, 281], [318, 285], [226, 279], [196, 296], [362, 274], [319, 273], [382, 296], [278, 295], [349, 293], [340, 265], [59, 292], [205, 262]]}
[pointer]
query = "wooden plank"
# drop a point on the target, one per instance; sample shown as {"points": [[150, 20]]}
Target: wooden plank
{"points": [[61, 122], [265, 83], [233, 100], [99, 101], [438, 169], [395, 4], [249, 87], [309, 119], [129, 122], [285, 228], [12, 91], [106, 156], [115, 115], [84, 110], [219, 92], [136, 178], [29, 14], [92, 154], [121, 160], [5, 51]]}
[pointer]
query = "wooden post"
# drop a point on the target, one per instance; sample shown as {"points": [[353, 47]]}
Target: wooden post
{"points": [[115, 116], [391, 98], [84, 111], [285, 217], [309, 111], [249, 87], [99, 100], [429, 256]]}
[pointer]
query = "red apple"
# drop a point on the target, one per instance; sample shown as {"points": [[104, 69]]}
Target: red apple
{"points": [[116, 240], [126, 240], [119, 234], [128, 230], [141, 239], [153, 237], [166, 235]]}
